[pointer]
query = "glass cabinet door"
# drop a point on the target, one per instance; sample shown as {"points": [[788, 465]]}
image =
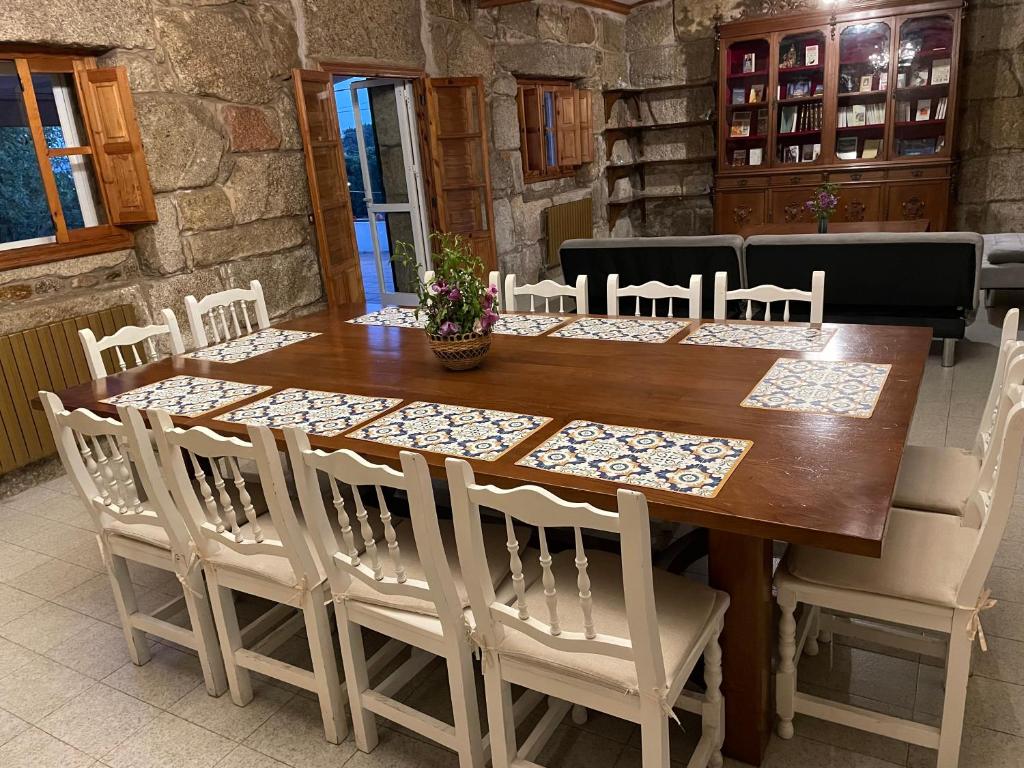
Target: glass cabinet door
{"points": [[862, 91], [923, 71], [800, 96], [746, 97]]}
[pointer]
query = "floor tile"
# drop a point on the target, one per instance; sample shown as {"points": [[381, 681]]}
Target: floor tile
{"points": [[980, 748], [51, 579], [98, 719], [165, 678], [39, 687], [13, 657], [1006, 584], [243, 757], [15, 603], [805, 753], [996, 705], [34, 748], [1006, 619], [47, 627], [571, 747], [71, 511], [862, 673], [57, 540], [397, 750], [10, 726], [96, 653], [15, 560], [34, 498], [223, 716], [170, 742], [295, 735]]}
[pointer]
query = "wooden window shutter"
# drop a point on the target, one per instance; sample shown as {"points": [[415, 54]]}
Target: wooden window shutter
{"points": [[328, 186], [117, 145], [586, 121], [459, 162], [567, 127]]}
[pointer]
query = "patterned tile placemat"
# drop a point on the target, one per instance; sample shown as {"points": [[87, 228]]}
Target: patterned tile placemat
{"points": [[319, 413], [834, 387], [454, 430], [398, 317], [252, 345], [761, 336], [671, 461], [652, 330], [187, 395], [527, 325]]}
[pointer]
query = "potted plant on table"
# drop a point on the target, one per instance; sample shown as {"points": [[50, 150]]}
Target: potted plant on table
{"points": [[823, 204], [460, 308]]}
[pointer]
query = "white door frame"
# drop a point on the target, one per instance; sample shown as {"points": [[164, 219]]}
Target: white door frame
{"points": [[413, 179]]}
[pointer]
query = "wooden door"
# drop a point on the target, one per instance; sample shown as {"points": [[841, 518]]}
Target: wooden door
{"points": [[921, 200], [859, 202], [328, 186], [459, 163], [788, 205], [736, 210]]}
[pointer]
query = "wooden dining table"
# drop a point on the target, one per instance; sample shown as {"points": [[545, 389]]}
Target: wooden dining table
{"points": [[812, 479]]}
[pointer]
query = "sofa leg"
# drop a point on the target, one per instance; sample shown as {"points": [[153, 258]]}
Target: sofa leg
{"points": [[948, 352]]}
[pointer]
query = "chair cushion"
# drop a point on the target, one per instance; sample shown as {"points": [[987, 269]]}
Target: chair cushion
{"points": [[1005, 248], [924, 558], [148, 533], [684, 608], [497, 562], [935, 479]]}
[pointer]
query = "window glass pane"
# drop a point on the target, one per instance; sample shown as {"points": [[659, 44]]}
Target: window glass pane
{"points": [[549, 127], [59, 110], [24, 213], [76, 185]]}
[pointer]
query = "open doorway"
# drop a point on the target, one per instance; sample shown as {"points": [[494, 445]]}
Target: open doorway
{"points": [[377, 120]]}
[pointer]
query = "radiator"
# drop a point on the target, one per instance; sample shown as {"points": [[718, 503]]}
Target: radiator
{"points": [[48, 357], [568, 221]]}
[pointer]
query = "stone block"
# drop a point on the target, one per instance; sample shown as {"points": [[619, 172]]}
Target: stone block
{"points": [[649, 26], [170, 292], [684, 63], [547, 59], [582, 27], [213, 50], [502, 170], [1001, 123], [147, 70], [518, 21], [158, 246], [529, 219], [695, 19], [552, 22], [684, 105], [504, 85], [504, 122], [385, 30], [51, 309], [266, 185], [80, 23], [989, 75], [613, 70], [291, 279], [466, 52], [182, 141], [994, 28], [504, 228], [284, 105], [204, 208], [676, 143], [253, 239], [251, 129], [613, 32], [991, 178]]}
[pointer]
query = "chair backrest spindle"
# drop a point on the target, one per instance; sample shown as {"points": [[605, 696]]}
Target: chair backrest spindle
{"points": [[767, 294], [221, 312], [129, 338], [654, 291], [546, 290]]}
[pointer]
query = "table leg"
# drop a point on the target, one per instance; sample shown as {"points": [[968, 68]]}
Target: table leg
{"points": [[742, 567]]}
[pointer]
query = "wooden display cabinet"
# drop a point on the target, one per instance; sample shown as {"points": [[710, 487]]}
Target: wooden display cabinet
{"points": [[864, 97]]}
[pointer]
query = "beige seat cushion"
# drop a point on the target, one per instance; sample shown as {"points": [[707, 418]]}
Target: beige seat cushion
{"points": [[497, 561], [683, 606], [924, 558], [148, 533], [935, 479]]}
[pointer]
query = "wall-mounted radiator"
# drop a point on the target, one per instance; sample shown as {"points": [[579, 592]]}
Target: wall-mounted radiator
{"points": [[568, 221], [48, 357]]}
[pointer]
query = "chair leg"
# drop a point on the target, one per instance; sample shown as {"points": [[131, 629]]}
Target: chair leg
{"points": [[713, 712], [205, 631], [230, 636], [464, 708], [500, 717], [325, 667], [811, 646], [948, 353], [785, 677], [654, 737], [124, 598], [357, 682], [958, 664]]}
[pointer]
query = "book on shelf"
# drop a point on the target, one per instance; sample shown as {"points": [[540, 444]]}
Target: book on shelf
{"points": [[846, 148], [901, 79], [811, 55], [798, 89], [739, 96], [806, 153], [739, 157], [903, 111], [815, 151], [940, 108], [791, 154], [847, 82], [867, 83], [940, 71], [756, 155], [757, 93], [918, 78], [917, 147], [787, 120], [924, 110], [883, 80], [860, 115], [872, 148], [740, 125], [749, 62], [788, 58], [762, 122]]}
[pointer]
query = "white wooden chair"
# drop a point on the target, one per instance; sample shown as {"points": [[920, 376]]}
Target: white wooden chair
{"points": [[547, 290], [654, 290], [579, 633], [406, 584], [766, 294], [265, 555], [930, 579], [940, 478], [139, 345], [220, 312], [103, 457]]}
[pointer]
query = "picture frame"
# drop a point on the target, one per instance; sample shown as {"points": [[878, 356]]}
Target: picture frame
{"points": [[739, 157], [798, 89], [756, 156], [756, 93], [940, 71], [749, 63], [811, 55], [788, 58], [791, 154], [740, 126], [846, 148], [883, 80], [918, 78], [867, 83], [807, 153], [739, 96], [924, 110]]}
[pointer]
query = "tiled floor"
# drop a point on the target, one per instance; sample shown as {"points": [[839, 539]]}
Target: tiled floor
{"points": [[70, 697]]}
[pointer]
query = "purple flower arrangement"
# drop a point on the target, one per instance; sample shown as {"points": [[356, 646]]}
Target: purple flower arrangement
{"points": [[457, 301], [824, 202]]}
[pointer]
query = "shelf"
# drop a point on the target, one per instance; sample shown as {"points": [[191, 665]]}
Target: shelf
{"points": [[617, 92], [749, 105], [799, 100], [742, 75], [914, 91], [657, 126], [868, 94], [937, 53], [861, 128], [920, 123], [695, 160], [760, 137], [799, 70], [798, 134], [639, 197]]}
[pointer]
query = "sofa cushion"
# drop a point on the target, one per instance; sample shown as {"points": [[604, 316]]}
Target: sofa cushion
{"points": [[1006, 248]]}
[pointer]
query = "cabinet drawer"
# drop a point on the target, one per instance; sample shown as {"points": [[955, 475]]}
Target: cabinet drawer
{"points": [[795, 179], [735, 211], [924, 200], [742, 182], [841, 177], [788, 205], [859, 202], [933, 172]]}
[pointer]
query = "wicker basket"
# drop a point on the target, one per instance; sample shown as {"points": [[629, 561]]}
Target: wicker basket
{"points": [[460, 353]]}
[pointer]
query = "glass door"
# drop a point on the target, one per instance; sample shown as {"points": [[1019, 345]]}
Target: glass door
{"points": [[862, 92], [747, 103], [800, 97], [393, 200], [923, 73]]}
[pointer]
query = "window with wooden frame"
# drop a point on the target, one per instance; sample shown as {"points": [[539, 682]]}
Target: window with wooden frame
{"points": [[74, 174], [555, 127]]}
